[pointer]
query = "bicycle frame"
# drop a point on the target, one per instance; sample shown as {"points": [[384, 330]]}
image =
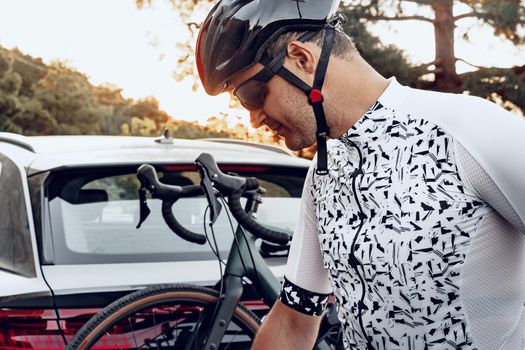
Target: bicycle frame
{"points": [[243, 261]]}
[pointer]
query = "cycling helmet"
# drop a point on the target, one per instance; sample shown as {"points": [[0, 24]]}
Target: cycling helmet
{"points": [[236, 34]]}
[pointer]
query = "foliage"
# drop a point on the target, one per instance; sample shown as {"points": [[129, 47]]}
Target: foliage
{"points": [[40, 99], [506, 18], [386, 59]]}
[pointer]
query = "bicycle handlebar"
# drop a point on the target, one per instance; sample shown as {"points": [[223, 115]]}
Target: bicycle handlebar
{"points": [[169, 194], [234, 187]]}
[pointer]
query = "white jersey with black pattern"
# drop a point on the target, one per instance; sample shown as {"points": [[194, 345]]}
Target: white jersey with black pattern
{"points": [[420, 225]]}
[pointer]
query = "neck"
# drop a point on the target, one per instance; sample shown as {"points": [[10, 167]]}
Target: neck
{"points": [[353, 88]]}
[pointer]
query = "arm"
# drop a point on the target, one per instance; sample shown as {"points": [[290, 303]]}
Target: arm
{"points": [[284, 325], [293, 322]]}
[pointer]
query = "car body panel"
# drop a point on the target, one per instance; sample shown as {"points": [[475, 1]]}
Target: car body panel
{"points": [[93, 278], [15, 285], [59, 298]]}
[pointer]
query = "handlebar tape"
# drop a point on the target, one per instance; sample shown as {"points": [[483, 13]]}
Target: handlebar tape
{"points": [[176, 227], [191, 191], [251, 225]]}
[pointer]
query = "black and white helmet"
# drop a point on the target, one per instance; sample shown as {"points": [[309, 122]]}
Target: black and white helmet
{"points": [[236, 33]]}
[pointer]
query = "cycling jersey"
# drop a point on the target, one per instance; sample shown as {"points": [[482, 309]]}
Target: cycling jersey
{"points": [[418, 229]]}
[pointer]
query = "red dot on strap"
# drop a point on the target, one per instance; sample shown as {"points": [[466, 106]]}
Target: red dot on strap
{"points": [[315, 96]]}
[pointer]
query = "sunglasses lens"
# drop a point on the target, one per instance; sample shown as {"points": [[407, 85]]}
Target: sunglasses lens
{"points": [[252, 94]]}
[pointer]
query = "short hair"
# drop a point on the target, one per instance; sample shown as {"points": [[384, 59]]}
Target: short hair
{"points": [[343, 46]]}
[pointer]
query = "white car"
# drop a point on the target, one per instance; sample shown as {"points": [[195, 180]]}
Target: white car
{"points": [[68, 224]]}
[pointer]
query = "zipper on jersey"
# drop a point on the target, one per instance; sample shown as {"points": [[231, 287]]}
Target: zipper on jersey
{"points": [[354, 262]]}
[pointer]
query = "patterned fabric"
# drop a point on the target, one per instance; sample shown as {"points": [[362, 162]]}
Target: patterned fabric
{"points": [[395, 222], [302, 300], [421, 225]]}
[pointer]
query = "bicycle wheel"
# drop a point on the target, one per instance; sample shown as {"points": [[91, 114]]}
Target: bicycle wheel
{"points": [[164, 317]]}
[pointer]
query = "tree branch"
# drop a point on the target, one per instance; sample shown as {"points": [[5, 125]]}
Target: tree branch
{"points": [[421, 2], [424, 68], [470, 64], [465, 15], [404, 18]]}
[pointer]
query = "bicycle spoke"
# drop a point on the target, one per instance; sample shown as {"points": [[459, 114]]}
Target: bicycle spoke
{"points": [[133, 333], [111, 338], [194, 338], [155, 326]]}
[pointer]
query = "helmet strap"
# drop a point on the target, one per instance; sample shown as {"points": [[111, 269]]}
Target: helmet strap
{"points": [[315, 97]]}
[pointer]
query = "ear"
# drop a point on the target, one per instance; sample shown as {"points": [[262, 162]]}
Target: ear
{"points": [[303, 56]]}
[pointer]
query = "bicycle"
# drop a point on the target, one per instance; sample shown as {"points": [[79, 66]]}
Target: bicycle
{"points": [[186, 316]]}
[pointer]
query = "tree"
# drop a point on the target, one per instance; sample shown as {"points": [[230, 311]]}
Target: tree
{"points": [[68, 97], [505, 17], [41, 99], [8, 101]]}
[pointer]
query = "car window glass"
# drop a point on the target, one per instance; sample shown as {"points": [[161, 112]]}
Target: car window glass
{"points": [[94, 220], [16, 250]]}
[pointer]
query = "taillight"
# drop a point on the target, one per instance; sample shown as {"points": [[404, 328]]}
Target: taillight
{"points": [[38, 328], [222, 167], [29, 329]]}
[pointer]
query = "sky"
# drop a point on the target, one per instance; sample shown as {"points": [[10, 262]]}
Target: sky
{"points": [[111, 41]]}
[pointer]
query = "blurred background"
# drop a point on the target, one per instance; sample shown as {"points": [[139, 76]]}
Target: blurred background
{"points": [[126, 67]]}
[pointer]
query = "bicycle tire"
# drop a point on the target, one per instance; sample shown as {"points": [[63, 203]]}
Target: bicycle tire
{"points": [[137, 308]]}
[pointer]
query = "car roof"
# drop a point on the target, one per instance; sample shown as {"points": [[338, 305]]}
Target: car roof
{"points": [[43, 153]]}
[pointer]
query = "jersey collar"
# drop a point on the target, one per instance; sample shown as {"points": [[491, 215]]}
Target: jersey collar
{"points": [[370, 125]]}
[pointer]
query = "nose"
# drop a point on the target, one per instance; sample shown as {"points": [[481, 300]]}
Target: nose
{"points": [[257, 118]]}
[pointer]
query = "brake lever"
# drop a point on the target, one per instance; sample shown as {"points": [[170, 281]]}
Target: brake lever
{"points": [[209, 191], [144, 209]]}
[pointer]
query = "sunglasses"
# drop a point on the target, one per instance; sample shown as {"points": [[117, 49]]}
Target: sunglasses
{"points": [[253, 91]]}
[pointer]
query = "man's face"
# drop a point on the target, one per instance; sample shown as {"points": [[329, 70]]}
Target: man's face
{"points": [[281, 107]]}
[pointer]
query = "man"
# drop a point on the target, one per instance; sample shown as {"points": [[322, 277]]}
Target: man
{"points": [[412, 215]]}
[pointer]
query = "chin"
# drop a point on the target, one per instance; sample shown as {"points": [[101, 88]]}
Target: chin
{"points": [[296, 144]]}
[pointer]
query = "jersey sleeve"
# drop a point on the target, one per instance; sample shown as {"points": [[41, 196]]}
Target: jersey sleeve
{"points": [[485, 187], [306, 285], [493, 138]]}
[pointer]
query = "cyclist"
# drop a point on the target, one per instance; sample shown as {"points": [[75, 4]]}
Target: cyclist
{"points": [[413, 213]]}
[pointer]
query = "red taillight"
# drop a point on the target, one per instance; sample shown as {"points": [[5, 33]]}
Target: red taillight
{"points": [[222, 167], [181, 167], [22, 329], [255, 305], [29, 329]]}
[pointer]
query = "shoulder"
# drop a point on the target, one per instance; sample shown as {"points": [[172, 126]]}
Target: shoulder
{"points": [[475, 122], [493, 136], [456, 113]]}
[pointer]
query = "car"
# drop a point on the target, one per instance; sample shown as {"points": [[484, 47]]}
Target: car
{"points": [[68, 224]]}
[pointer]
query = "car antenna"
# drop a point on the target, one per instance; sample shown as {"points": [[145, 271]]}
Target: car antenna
{"points": [[165, 138]]}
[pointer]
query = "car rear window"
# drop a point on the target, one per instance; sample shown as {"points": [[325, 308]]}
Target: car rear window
{"points": [[94, 214]]}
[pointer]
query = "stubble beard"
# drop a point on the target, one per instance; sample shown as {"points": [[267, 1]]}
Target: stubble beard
{"points": [[302, 136], [301, 133]]}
